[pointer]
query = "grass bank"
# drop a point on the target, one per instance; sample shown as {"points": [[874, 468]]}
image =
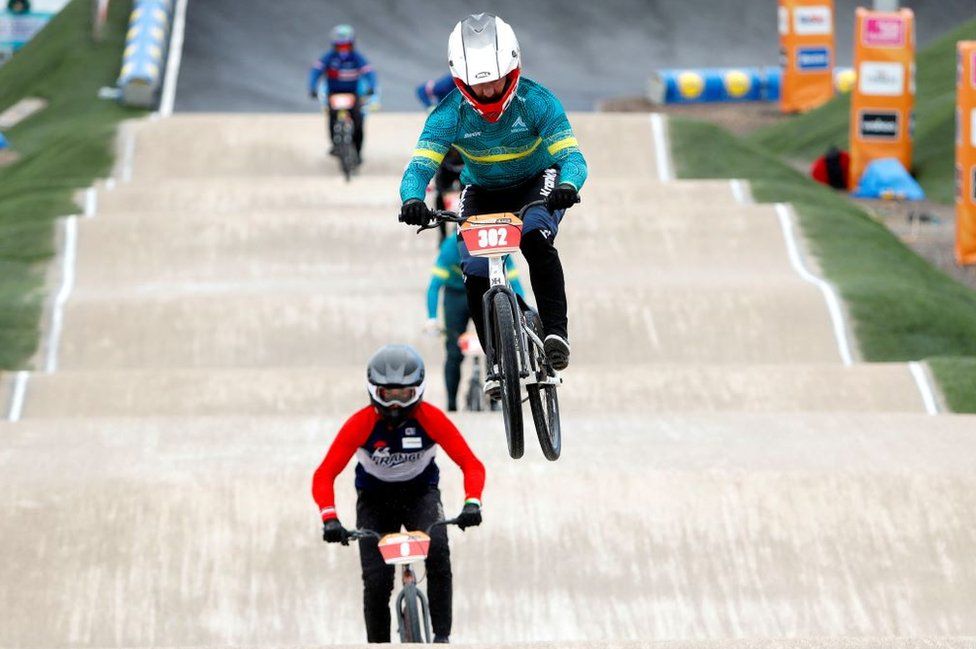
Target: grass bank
{"points": [[902, 307], [804, 137], [62, 149]]}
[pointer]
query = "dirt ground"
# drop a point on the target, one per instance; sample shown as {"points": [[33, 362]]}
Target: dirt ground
{"points": [[927, 227]]}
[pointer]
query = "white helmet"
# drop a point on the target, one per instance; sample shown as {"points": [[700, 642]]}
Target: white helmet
{"points": [[483, 48]]}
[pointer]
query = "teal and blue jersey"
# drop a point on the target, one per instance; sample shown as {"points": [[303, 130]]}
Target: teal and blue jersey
{"points": [[447, 273], [532, 135]]}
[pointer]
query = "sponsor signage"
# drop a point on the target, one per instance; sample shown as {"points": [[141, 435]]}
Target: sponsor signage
{"points": [[883, 125], [883, 31], [784, 21], [881, 79], [812, 21], [972, 128], [972, 185], [812, 59]]}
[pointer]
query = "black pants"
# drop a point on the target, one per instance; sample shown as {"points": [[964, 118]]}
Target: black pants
{"points": [[539, 231], [357, 124], [456, 316], [386, 511]]}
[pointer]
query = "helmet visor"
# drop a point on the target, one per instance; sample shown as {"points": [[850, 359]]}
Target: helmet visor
{"points": [[396, 396]]}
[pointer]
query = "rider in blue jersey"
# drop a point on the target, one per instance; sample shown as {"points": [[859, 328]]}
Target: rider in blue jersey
{"points": [[344, 71], [518, 147], [431, 92]]}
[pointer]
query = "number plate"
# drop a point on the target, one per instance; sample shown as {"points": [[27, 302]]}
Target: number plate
{"points": [[342, 101], [491, 235], [404, 547]]}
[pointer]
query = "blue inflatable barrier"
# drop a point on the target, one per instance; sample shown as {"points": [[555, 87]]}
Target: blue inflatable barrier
{"points": [[714, 85], [887, 178], [145, 46], [706, 85], [3, 142]]}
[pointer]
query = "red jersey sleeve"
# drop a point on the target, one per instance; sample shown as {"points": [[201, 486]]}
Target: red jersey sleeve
{"points": [[352, 435], [446, 434]]}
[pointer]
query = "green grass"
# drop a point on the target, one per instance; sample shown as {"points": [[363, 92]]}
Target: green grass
{"points": [[902, 307], [957, 377], [63, 149], [804, 137]]}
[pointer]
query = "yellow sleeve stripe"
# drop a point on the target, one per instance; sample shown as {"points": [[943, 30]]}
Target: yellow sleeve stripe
{"points": [[512, 274], [564, 143], [437, 271], [430, 154], [499, 157]]}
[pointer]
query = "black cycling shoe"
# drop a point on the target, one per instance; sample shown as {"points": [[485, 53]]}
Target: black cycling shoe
{"points": [[442, 639], [557, 351]]}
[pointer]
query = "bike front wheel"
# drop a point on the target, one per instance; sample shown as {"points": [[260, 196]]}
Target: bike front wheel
{"points": [[408, 610], [506, 351]]}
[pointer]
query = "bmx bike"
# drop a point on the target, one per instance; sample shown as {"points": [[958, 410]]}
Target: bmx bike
{"points": [[475, 399], [515, 353], [342, 132], [403, 549]]}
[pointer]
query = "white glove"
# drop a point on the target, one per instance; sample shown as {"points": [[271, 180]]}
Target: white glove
{"points": [[432, 327]]}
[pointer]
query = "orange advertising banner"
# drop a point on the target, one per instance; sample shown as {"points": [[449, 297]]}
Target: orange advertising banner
{"points": [[806, 42], [883, 100], [966, 153]]}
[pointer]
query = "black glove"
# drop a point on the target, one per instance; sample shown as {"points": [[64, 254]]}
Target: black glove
{"points": [[562, 197], [415, 212], [334, 532], [470, 516], [313, 94]]}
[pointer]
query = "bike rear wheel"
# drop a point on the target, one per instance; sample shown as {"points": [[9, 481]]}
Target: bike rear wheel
{"points": [[408, 611], [506, 352], [545, 416], [543, 400]]}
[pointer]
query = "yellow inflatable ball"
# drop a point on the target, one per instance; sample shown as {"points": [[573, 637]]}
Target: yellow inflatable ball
{"points": [[690, 85], [737, 83], [844, 80]]}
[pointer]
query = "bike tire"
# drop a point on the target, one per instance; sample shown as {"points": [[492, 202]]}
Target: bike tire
{"points": [[409, 614], [347, 153], [506, 351], [545, 415], [543, 400]]}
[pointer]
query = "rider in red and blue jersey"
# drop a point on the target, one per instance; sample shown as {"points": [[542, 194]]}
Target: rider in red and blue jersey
{"points": [[394, 440], [344, 70]]}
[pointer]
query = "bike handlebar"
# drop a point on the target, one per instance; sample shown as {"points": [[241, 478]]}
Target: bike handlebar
{"points": [[372, 534], [442, 216]]}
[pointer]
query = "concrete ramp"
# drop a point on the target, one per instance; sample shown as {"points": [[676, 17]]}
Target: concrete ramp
{"points": [[725, 477]]}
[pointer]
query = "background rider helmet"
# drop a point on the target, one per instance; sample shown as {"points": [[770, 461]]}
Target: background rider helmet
{"points": [[483, 49], [343, 38], [395, 378]]}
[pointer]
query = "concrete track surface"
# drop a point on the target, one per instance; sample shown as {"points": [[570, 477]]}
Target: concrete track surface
{"points": [[724, 475], [254, 55]]}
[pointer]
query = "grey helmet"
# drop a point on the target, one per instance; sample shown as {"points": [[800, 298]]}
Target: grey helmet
{"points": [[395, 378]]}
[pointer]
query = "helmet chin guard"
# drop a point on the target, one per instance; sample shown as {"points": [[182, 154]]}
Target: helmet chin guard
{"points": [[483, 48]]}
